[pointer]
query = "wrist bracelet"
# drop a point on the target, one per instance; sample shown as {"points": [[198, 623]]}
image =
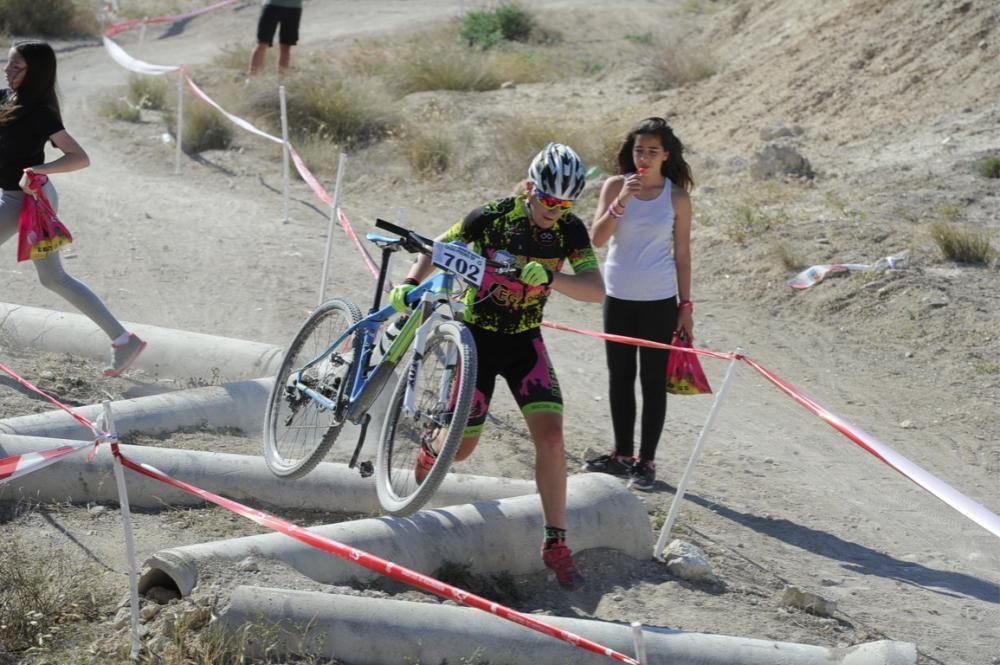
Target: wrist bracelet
{"points": [[686, 304], [411, 281], [614, 213]]}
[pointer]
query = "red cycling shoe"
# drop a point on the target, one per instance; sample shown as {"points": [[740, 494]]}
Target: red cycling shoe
{"points": [[559, 558]]}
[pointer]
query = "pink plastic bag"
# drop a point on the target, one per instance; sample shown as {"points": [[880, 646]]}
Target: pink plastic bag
{"points": [[684, 373], [40, 233]]}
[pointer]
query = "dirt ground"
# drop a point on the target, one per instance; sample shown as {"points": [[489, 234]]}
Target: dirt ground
{"points": [[893, 102]]}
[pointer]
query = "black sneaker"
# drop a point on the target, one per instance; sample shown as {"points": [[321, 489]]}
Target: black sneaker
{"points": [[616, 465], [642, 475]]}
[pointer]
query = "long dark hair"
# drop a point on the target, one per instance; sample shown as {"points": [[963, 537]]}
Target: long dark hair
{"points": [[674, 167], [38, 88]]}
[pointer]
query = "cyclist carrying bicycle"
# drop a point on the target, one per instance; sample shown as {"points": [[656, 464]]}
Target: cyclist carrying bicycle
{"points": [[539, 232]]}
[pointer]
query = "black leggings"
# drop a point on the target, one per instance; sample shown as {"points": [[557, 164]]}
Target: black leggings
{"points": [[654, 320]]}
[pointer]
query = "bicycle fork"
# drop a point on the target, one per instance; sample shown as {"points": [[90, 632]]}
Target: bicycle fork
{"points": [[445, 397]]}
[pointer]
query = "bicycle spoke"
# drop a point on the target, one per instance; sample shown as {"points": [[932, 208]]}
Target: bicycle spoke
{"points": [[299, 430], [408, 472]]}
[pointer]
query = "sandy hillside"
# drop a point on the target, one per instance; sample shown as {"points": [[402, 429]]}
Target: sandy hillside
{"points": [[893, 103]]}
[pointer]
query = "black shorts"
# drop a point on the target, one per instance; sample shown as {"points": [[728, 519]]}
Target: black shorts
{"points": [[521, 359], [271, 16]]}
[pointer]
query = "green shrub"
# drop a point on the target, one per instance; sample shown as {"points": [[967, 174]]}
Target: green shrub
{"points": [[990, 167], [486, 29], [645, 38], [148, 92], [48, 18], [962, 245], [696, 7]]}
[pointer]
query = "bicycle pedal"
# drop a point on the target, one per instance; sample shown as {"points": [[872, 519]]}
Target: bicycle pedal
{"points": [[366, 469]]}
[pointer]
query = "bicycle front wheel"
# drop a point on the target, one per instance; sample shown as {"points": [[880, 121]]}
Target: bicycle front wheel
{"points": [[442, 384], [298, 430]]}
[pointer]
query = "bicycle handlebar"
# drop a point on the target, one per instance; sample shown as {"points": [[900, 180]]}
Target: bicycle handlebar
{"points": [[412, 241]]}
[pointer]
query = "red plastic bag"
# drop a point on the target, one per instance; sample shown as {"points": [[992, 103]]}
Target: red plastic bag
{"points": [[40, 233], [684, 373]]}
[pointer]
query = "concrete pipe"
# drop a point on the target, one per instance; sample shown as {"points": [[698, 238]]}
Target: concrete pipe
{"points": [[329, 487], [490, 536], [171, 353], [237, 405], [376, 631]]}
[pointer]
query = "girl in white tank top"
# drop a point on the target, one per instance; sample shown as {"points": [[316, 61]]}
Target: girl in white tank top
{"points": [[644, 215]]}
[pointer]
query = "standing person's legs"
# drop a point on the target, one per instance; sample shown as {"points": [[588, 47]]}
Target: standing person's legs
{"points": [[284, 56], [657, 325], [267, 25], [257, 58], [620, 319]]}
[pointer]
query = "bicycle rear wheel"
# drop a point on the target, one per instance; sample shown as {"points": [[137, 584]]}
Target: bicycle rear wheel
{"points": [[298, 431], [443, 384]]}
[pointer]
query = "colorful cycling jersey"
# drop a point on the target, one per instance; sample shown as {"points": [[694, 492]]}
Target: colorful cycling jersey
{"points": [[503, 303]]}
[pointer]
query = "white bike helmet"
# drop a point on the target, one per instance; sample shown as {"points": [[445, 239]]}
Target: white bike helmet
{"points": [[558, 171]]}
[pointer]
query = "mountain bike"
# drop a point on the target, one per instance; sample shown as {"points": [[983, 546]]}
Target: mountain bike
{"points": [[330, 375]]}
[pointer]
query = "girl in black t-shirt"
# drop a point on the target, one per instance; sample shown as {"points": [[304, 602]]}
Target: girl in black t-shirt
{"points": [[29, 117]]}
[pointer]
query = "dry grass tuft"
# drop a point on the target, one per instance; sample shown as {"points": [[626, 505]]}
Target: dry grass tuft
{"points": [[49, 18], [42, 596], [148, 92], [962, 245], [429, 150], [119, 108]]}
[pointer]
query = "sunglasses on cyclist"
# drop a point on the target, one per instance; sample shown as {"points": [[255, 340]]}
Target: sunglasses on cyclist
{"points": [[552, 202]]}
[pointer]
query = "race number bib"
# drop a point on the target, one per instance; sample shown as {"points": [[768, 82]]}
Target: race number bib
{"points": [[461, 261]]}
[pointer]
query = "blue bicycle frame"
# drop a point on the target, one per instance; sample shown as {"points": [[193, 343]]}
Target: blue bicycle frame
{"points": [[364, 384]]}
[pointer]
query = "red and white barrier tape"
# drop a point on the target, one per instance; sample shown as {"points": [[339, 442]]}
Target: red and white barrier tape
{"points": [[22, 465], [638, 341], [931, 483], [119, 55], [369, 261], [379, 565], [27, 384], [124, 26], [240, 122]]}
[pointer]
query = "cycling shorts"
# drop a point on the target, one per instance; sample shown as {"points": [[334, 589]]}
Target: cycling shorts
{"points": [[521, 359]]}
